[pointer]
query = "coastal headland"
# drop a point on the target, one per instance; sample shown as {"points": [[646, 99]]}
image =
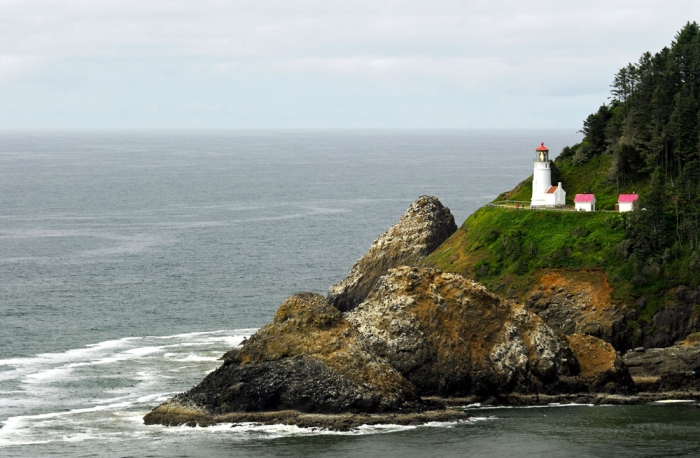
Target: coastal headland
{"points": [[418, 343]]}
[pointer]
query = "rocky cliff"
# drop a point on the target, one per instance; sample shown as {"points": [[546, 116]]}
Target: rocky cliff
{"points": [[675, 320], [580, 302], [425, 225], [449, 336], [310, 359]]}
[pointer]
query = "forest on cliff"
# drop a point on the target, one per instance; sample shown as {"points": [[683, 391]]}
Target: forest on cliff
{"points": [[650, 133], [645, 139]]}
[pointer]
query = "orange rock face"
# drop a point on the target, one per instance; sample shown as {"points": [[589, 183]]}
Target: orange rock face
{"points": [[578, 302]]}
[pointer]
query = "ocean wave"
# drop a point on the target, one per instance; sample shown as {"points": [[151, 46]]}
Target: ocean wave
{"points": [[103, 387], [102, 391]]}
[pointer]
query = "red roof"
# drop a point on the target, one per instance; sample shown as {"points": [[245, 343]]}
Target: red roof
{"points": [[542, 147], [584, 198], [627, 198], [551, 189]]}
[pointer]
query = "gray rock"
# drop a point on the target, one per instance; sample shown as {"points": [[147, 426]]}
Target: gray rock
{"points": [[449, 336], [424, 227], [681, 358], [673, 322]]}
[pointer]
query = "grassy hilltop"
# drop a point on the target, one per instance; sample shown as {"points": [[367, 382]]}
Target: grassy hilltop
{"points": [[645, 141]]}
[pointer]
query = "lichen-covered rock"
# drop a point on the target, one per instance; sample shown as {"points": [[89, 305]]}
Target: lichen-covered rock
{"points": [[425, 225], [602, 368], [310, 359], [449, 336]]}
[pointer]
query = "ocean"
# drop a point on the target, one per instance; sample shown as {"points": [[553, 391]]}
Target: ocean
{"points": [[131, 261]]}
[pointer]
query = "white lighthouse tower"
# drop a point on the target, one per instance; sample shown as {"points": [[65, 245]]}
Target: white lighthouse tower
{"points": [[543, 193]]}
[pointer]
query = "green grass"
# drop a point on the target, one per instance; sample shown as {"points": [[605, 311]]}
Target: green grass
{"points": [[509, 249], [589, 178], [500, 247]]}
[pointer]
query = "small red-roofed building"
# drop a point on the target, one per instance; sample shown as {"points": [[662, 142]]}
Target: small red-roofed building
{"points": [[625, 203], [555, 196], [585, 202]]}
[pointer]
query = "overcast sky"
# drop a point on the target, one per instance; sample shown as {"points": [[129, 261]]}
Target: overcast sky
{"points": [[320, 64]]}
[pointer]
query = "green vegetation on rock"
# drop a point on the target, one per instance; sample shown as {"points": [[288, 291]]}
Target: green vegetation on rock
{"points": [[506, 249], [645, 141]]}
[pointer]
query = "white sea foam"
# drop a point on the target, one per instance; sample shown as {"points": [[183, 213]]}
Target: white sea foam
{"points": [[570, 404], [278, 431], [78, 437], [675, 401], [192, 357], [246, 332], [137, 366], [487, 407], [48, 375], [558, 404], [48, 406], [69, 355], [155, 397]]}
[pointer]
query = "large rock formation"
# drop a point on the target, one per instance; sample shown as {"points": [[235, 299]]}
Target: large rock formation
{"points": [[581, 302], [671, 368], [308, 360], [450, 336], [425, 225]]}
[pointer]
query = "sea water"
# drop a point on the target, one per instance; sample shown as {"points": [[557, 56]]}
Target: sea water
{"points": [[131, 261]]}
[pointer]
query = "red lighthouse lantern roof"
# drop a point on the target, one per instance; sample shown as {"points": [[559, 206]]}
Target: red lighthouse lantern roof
{"points": [[542, 147]]}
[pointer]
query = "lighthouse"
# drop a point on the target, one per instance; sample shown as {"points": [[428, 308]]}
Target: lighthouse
{"points": [[543, 193]]}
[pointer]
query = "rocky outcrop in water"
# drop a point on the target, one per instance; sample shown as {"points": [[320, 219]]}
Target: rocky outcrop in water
{"points": [[420, 332], [415, 331], [449, 336], [672, 368], [309, 360], [425, 225], [602, 368]]}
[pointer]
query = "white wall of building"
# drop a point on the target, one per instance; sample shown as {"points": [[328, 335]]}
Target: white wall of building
{"points": [[560, 196], [541, 182], [585, 206], [557, 198], [625, 206]]}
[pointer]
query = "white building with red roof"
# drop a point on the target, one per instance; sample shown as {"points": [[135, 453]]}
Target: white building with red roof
{"points": [[585, 202], [543, 193], [555, 196], [625, 203]]}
